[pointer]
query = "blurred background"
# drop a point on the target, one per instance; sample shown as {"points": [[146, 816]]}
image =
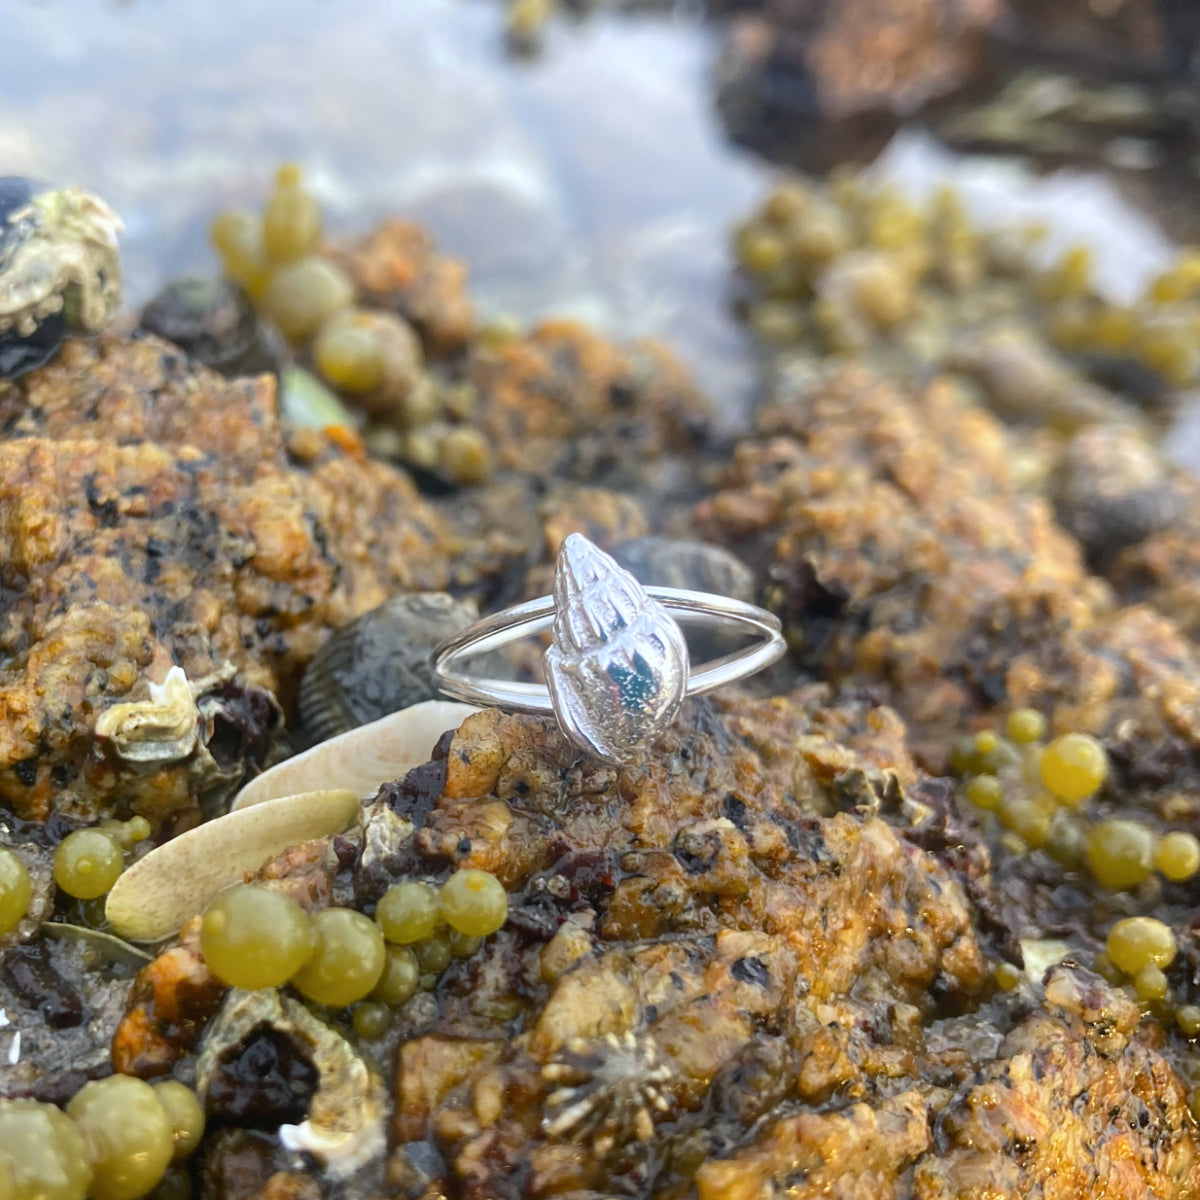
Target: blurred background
{"points": [[590, 159]]}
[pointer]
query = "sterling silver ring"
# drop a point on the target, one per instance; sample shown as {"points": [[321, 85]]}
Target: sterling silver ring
{"points": [[617, 668]]}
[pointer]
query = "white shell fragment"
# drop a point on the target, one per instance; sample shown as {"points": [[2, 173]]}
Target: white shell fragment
{"points": [[363, 758], [618, 667], [345, 1125], [1040, 954], [176, 881]]}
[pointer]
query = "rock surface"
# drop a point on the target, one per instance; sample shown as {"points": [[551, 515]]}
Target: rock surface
{"points": [[156, 514]]}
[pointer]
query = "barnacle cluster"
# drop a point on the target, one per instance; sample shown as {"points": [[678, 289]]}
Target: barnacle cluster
{"points": [[372, 357], [852, 265]]}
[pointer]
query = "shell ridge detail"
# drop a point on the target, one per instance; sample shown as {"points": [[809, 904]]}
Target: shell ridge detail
{"points": [[618, 665]]}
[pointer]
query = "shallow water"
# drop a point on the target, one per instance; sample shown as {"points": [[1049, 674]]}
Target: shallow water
{"points": [[593, 181]]}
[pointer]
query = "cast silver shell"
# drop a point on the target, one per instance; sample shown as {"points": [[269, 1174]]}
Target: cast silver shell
{"points": [[618, 666]]}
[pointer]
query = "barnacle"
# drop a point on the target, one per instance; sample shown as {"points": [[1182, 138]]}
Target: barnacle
{"points": [[181, 721], [610, 1089], [164, 728], [59, 269]]}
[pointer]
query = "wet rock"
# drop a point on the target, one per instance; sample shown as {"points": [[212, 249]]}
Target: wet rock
{"points": [[60, 1009], [169, 1005], [240, 1163], [396, 268], [813, 72], [562, 401], [28, 971], [608, 1035], [199, 539], [756, 1080], [701, 954], [1086, 1029], [1137, 33], [1024, 380], [918, 566]]}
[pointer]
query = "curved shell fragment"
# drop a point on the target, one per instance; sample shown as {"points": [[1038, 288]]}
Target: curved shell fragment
{"points": [[344, 1129], [363, 758], [178, 879]]}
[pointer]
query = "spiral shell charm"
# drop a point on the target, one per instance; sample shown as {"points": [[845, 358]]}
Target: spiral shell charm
{"points": [[618, 669], [618, 666]]}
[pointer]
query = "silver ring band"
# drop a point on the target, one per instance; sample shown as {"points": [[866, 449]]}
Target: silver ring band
{"points": [[617, 669], [536, 616]]}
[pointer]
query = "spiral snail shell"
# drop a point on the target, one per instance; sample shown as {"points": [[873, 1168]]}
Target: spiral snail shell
{"points": [[378, 663], [618, 665]]}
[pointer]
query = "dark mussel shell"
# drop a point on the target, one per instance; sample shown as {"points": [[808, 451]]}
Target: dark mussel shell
{"points": [[19, 355], [1111, 489]]}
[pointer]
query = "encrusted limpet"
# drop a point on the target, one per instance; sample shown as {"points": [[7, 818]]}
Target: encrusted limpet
{"points": [[60, 270]]}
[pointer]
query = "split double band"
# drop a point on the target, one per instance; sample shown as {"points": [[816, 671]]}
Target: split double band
{"points": [[617, 668]]}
